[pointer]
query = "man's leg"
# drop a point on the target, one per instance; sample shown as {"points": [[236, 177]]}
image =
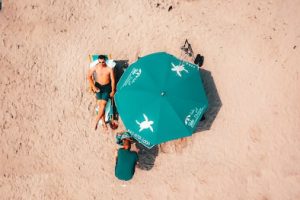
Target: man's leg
{"points": [[103, 119], [101, 105]]}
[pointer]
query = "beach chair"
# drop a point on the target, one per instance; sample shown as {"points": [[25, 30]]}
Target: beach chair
{"points": [[108, 112], [111, 114]]}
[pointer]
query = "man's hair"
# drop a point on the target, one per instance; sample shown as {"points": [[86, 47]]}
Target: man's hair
{"points": [[127, 143], [102, 57]]}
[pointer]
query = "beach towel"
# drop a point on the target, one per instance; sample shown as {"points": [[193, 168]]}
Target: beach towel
{"points": [[108, 112], [110, 63]]}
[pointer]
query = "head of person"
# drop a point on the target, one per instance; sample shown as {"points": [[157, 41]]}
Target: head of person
{"points": [[101, 59], [126, 144]]}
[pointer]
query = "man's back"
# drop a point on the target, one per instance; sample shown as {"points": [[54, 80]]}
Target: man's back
{"points": [[125, 165]]}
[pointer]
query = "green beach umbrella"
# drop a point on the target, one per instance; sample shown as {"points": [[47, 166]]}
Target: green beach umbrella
{"points": [[160, 98]]}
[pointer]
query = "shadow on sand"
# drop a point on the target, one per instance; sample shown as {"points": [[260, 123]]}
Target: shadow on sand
{"points": [[119, 69], [146, 156], [214, 101]]}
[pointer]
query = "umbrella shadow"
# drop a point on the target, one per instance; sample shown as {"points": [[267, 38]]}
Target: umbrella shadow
{"points": [[214, 101], [146, 156], [119, 69]]}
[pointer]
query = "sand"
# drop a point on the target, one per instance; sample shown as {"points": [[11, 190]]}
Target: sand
{"points": [[249, 148]]}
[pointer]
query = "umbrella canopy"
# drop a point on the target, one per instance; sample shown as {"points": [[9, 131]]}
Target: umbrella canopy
{"points": [[160, 98]]}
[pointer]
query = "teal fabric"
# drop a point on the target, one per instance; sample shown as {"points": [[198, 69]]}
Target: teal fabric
{"points": [[95, 57], [108, 111], [121, 136], [160, 98], [105, 90], [125, 164]]}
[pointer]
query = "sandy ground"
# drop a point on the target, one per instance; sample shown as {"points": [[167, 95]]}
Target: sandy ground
{"points": [[251, 150]]}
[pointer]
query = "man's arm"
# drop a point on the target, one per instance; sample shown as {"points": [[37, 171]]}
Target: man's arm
{"points": [[113, 84], [90, 78], [116, 154], [137, 160], [134, 148]]}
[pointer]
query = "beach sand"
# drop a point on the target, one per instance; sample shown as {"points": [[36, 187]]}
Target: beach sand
{"points": [[249, 150]]}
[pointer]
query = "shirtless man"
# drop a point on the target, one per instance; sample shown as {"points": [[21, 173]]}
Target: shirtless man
{"points": [[104, 87]]}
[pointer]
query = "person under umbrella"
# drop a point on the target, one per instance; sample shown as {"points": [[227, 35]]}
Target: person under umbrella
{"points": [[126, 160]]}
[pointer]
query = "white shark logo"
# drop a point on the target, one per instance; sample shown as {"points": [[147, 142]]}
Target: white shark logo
{"points": [[145, 124], [178, 69]]}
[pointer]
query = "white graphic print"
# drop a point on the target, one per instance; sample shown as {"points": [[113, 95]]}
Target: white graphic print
{"points": [[145, 124], [187, 64], [191, 118], [132, 77], [178, 69], [140, 139]]}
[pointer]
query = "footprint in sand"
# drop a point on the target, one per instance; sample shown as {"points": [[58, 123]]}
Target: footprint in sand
{"points": [[163, 4]]}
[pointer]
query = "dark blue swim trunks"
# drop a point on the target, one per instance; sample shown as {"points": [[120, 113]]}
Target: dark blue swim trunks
{"points": [[105, 90]]}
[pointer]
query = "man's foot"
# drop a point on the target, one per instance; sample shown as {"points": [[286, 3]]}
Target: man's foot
{"points": [[96, 126], [104, 126]]}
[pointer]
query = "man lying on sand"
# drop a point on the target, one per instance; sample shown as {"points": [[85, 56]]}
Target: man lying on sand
{"points": [[103, 86]]}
